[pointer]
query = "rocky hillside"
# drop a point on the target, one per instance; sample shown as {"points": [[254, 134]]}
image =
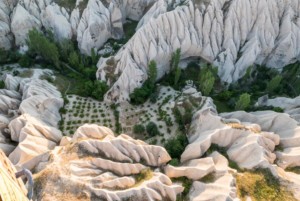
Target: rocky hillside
{"points": [[232, 34], [171, 100]]}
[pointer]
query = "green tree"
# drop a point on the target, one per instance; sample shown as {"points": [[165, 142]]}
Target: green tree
{"points": [[152, 129], [42, 46], [140, 95], [175, 59], [139, 129], [176, 145], [74, 60], [99, 90], [152, 73], [243, 102], [206, 80], [274, 83]]}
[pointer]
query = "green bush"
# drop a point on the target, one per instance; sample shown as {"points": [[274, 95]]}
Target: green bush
{"points": [[243, 102], [206, 80], [42, 46], [176, 145], [140, 95], [2, 84], [139, 129], [274, 83], [152, 129]]}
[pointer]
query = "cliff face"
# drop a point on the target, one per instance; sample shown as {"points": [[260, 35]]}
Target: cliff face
{"points": [[91, 23], [231, 34]]}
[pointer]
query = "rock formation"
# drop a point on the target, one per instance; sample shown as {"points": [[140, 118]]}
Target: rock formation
{"points": [[105, 167], [29, 116], [231, 34], [290, 106]]}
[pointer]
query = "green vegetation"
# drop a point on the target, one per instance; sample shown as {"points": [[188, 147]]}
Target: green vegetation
{"points": [[139, 129], [42, 46], [175, 69], [291, 169], [261, 185], [243, 102], [76, 71], [144, 175], [187, 184], [206, 80], [223, 151], [2, 84], [141, 95], [152, 129], [274, 83], [176, 145]]}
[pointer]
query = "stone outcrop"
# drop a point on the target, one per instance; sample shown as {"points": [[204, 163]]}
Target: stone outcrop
{"points": [[91, 23], [98, 163], [281, 124], [246, 144], [290, 106], [222, 189], [36, 129], [231, 34]]}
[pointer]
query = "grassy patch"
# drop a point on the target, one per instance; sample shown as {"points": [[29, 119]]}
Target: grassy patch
{"points": [[261, 185], [208, 178], [144, 175], [293, 169]]}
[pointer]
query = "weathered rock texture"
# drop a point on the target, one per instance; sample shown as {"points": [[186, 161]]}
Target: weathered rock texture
{"points": [[105, 167], [246, 143], [29, 116], [91, 23], [290, 106], [232, 34], [281, 124]]}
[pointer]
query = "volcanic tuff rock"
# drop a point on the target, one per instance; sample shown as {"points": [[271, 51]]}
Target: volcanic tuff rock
{"points": [[290, 106], [281, 124], [231, 34], [98, 163], [91, 24], [29, 116], [246, 144]]}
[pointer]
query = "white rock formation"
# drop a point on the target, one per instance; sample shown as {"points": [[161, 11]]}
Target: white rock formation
{"points": [[98, 163], [36, 129], [290, 106], [246, 144], [196, 169], [91, 24], [229, 33], [281, 124], [223, 188]]}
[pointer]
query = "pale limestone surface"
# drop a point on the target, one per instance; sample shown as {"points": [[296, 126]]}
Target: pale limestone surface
{"points": [[98, 163]]}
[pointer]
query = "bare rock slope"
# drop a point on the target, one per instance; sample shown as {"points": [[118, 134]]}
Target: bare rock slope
{"points": [[105, 167]]}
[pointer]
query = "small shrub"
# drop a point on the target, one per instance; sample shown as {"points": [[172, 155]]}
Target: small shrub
{"points": [[152, 129], [139, 129]]}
